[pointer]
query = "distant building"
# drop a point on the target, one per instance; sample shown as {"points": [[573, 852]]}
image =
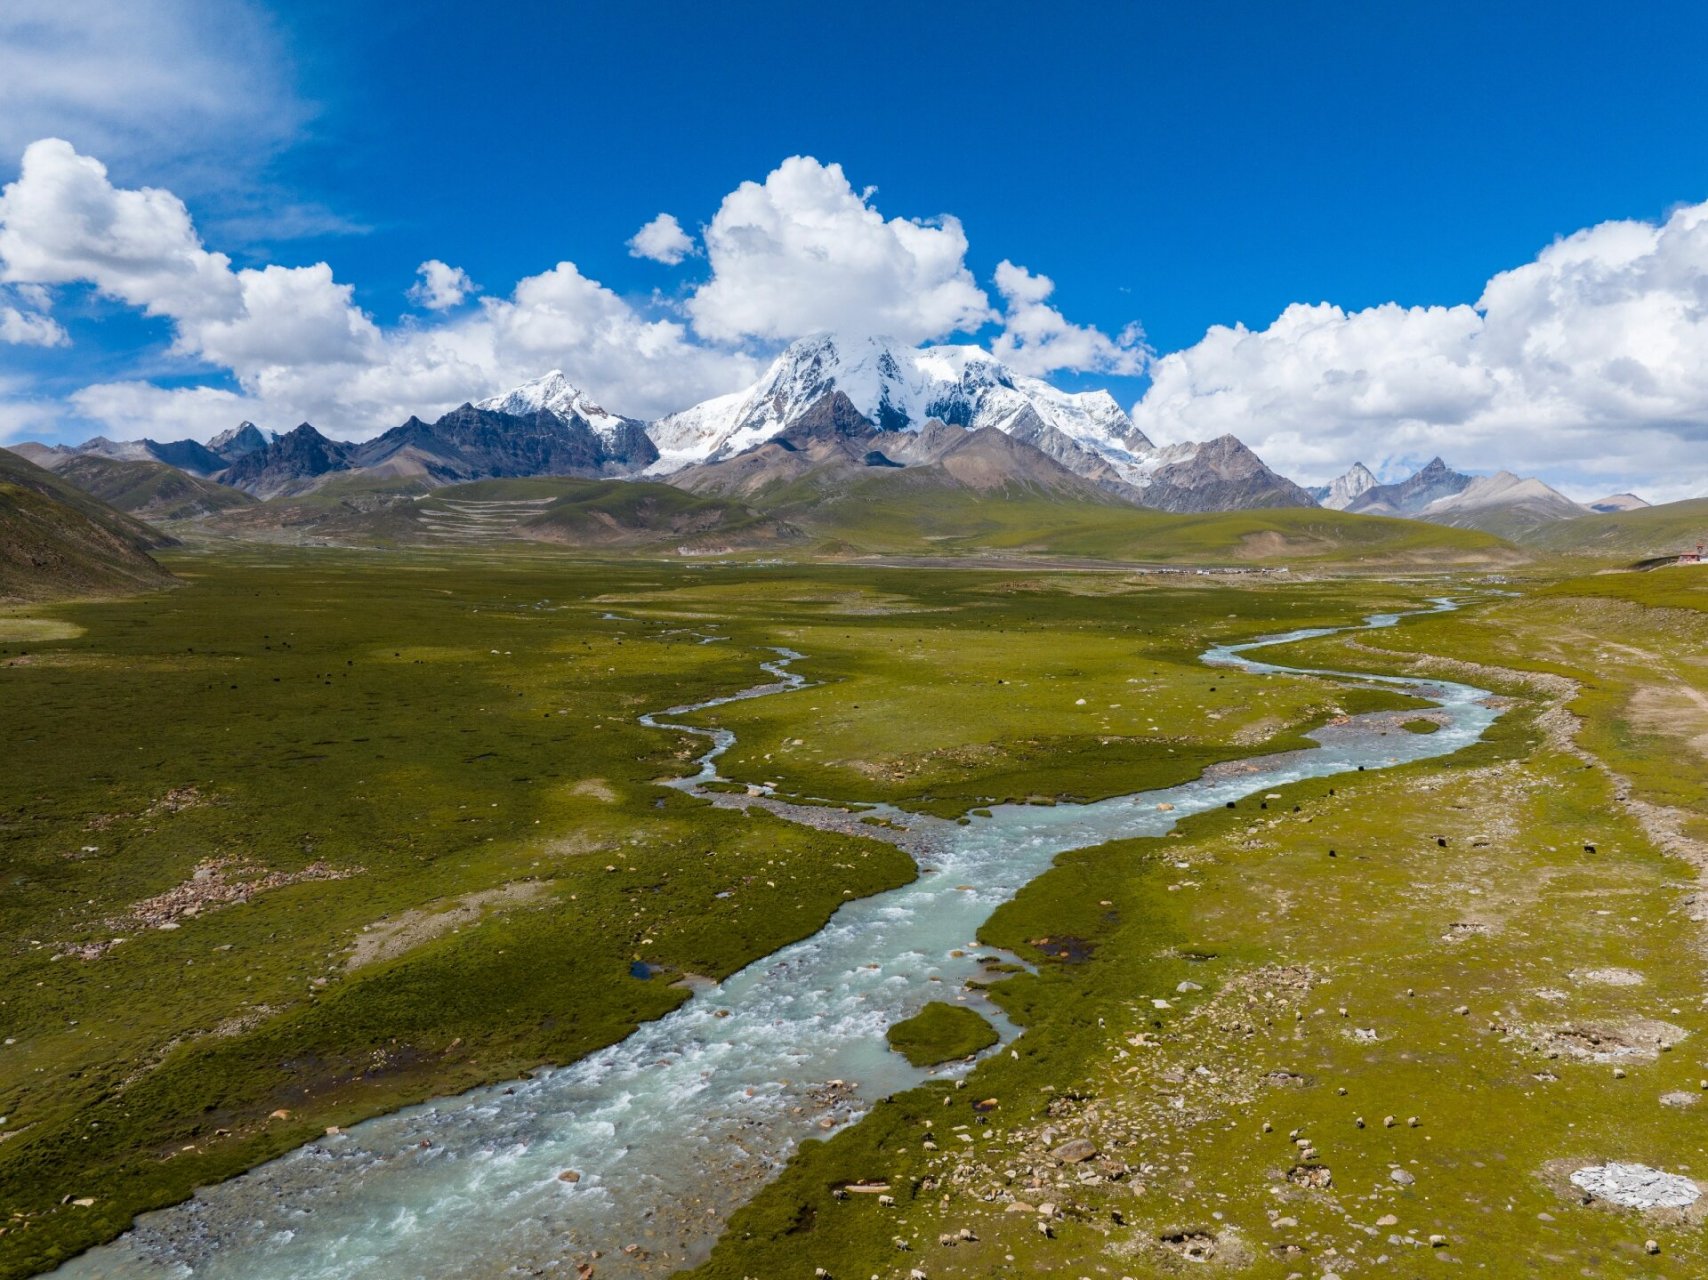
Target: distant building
{"points": [[1691, 557]]}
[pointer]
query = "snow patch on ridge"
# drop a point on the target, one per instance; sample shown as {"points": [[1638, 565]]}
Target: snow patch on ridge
{"points": [[897, 388], [555, 393]]}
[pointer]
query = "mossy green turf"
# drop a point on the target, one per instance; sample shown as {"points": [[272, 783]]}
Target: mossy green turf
{"points": [[443, 724], [1477, 907], [939, 1033], [434, 726], [1626, 535], [944, 691], [879, 517]]}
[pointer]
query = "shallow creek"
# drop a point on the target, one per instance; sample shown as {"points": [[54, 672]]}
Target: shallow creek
{"points": [[673, 1128]]}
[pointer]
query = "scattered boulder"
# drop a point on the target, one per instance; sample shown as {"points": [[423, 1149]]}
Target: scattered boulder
{"points": [[1075, 1151]]}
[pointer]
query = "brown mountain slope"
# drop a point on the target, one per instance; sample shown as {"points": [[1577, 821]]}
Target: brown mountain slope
{"points": [[56, 541], [151, 490]]}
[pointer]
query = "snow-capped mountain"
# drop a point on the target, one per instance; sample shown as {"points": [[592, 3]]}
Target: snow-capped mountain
{"points": [[555, 393], [1341, 492], [901, 388]]}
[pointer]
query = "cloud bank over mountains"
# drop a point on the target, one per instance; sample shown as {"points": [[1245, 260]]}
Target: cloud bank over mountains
{"points": [[1591, 361], [1588, 364], [799, 253]]}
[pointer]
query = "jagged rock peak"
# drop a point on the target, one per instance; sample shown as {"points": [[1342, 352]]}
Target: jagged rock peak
{"points": [[555, 393], [831, 416], [896, 388], [1431, 482], [244, 438], [1341, 492]]}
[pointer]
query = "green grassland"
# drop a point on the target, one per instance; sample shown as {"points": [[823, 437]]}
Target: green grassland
{"points": [[324, 832], [945, 690], [881, 516], [1291, 1063], [444, 734], [1626, 535], [375, 826]]}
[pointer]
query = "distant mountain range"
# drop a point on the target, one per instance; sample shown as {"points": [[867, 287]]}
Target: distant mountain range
{"points": [[894, 406]]}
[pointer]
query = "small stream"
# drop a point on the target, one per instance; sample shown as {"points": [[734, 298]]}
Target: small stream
{"points": [[669, 1131]]}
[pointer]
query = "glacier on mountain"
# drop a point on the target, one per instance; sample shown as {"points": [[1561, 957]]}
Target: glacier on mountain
{"points": [[555, 393], [901, 388]]}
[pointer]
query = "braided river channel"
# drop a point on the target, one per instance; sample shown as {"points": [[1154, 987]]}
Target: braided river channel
{"points": [[674, 1128]]}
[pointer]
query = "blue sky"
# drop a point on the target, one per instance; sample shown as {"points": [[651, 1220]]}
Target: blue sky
{"points": [[1177, 167]]}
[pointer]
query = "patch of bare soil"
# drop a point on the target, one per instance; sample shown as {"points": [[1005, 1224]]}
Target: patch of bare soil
{"points": [[389, 938], [1611, 977], [1674, 711], [1637, 1040], [215, 883], [1272, 544], [174, 801], [596, 788]]}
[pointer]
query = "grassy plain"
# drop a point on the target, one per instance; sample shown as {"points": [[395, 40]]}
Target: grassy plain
{"points": [[319, 833], [1291, 1063]]}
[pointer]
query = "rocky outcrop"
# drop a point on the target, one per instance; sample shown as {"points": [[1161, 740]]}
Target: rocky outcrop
{"points": [[1217, 475], [1432, 482], [291, 464]]}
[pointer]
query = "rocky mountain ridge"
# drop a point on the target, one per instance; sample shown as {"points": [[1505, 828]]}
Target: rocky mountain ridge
{"points": [[550, 427]]}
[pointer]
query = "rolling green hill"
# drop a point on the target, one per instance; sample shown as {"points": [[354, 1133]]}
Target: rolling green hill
{"points": [[1627, 535], [555, 509], [57, 541], [629, 512], [913, 511], [151, 490], [890, 514]]}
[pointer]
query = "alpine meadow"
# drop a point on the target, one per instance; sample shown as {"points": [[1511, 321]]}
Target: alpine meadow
{"points": [[909, 644]]}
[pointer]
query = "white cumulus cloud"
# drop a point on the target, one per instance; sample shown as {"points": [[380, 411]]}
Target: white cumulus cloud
{"points": [[198, 93], [803, 252], [662, 240], [293, 337], [24, 320], [797, 254], [1588, 365], [1037, 339], [440, 286]]}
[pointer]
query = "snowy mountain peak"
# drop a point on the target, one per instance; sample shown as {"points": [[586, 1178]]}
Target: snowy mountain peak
{"points": [[554, 393], [900, 388], [1341, 492]]}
